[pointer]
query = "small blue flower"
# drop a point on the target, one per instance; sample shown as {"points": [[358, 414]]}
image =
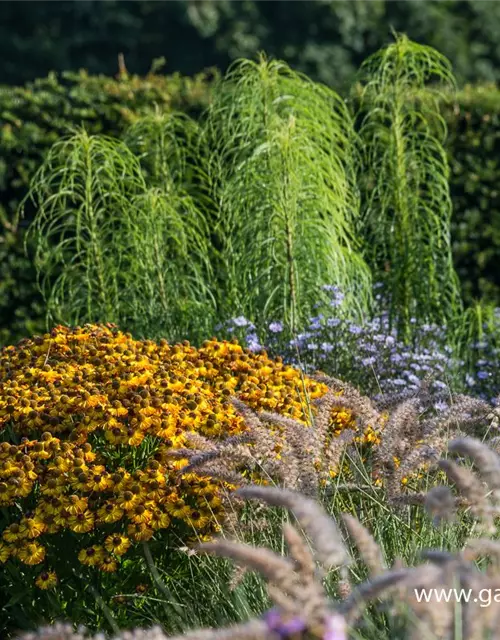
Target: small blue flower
{"points": [[276, 327], [240, 321], [333, 322], [333, 288], [355, 329], [315, 323], [440, 405], [469, 380], [439, 384], [252, 340], [482, 375]]}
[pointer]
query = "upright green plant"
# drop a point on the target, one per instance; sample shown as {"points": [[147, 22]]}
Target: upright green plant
{"points": [[175, 273], [110, 247], [404, 170], [282, 176]]}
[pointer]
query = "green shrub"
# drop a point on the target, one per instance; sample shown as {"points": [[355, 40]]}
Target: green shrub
{"points": [[35, 116], [473, 120]]}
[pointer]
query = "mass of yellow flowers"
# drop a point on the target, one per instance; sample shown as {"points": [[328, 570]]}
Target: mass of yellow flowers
{"points": [[88, 417]]}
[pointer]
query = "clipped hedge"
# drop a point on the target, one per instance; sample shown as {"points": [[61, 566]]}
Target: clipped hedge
{"points": [[32, 118], [474, 154]]}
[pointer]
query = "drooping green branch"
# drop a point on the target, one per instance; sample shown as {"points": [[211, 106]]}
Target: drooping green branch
{"points": [[117, 242], [283, 180], [404, 177]]}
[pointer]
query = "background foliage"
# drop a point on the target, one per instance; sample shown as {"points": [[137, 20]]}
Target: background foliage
{"points": [[474, 146], [326, 39]]}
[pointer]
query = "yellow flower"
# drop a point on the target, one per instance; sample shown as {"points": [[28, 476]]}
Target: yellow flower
{"points": [[209, 500], [160, 520], [134, 437], [108, 564], [31, 553], [31, 527], [198, 519], [139, 532], [12, 533], [178, 508], [110, 512], [82, 522], [127, 500], [5, 552], [46, 580], [117, 544], [139, 514], [98, 481], [76, 504], [91, 556]]}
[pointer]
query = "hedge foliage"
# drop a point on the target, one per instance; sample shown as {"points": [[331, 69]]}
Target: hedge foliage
{"points": [[474, 154], [32, 118], [326, 39]]}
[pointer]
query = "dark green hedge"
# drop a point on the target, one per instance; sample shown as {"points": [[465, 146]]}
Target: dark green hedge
{"points": [[474, 153], [31, 119]]}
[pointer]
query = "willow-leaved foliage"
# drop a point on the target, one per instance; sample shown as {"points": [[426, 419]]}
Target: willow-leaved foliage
{"points": [[175, 273], [407, 208], [118, 242], [84, 193], [282, 176]]}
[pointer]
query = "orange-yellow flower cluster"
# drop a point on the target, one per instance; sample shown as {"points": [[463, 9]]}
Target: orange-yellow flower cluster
{"points": [[88, 417]]}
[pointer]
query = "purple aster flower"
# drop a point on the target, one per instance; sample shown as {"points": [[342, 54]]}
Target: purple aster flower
{"points": [[315, 323], [253, 343], [469, 380], [439, 384], [333, 322], [327, 347], [440, 405], [366, 362], [240, 321], [355, 329], [413, 378], [482, 375], [332, 288], [276, 327]]}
